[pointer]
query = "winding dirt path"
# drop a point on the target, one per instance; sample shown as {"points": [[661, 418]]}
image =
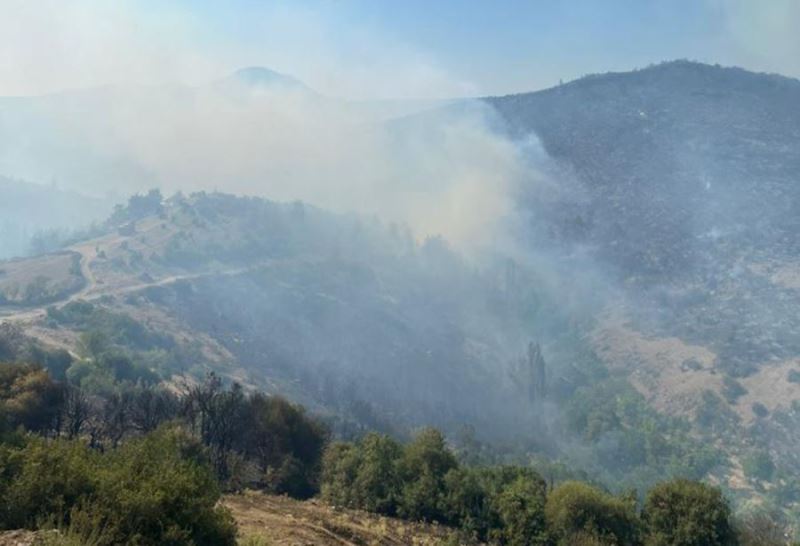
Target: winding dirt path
{"points": [[94, 290]]}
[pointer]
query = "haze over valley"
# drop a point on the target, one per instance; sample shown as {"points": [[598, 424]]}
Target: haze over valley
{"points": [[587, 290]]}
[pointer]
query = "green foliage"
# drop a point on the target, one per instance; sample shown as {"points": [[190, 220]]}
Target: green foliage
{"points": [[520, 507], [45, 479], [28, 397], [104, 328], [286, 444], [155, 490], [732, 389], [762, 528], [160, 490], [633, 444], [423, 481], [686, 513], [575, 510], [714, 416], [758, 465], [363, 475], [759, 409], [425, 462], [139, 206]]}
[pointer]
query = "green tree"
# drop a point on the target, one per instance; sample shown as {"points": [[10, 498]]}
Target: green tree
{"points": [[363, 475], [340, 464], [29, 397], [160, 490], [426, 461], [521, 510], [377, 484], [687, 513], [576, 509]]}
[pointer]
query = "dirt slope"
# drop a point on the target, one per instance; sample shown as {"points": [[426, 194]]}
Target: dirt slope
{"points": [[284, 521]]}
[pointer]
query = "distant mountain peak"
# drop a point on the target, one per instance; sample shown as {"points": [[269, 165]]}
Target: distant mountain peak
{"points": [[261, 77]]}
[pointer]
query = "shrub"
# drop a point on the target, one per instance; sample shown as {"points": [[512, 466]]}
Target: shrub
{"points": [[285, 443], [363, 475], [760, 410], [686, 513], [152, 491], [160, 490], [425, 462], [575, 510], [340, 464], [521, 510], [732, 389], [28, 397], [758, 464], [467, 502], [45, 479]]}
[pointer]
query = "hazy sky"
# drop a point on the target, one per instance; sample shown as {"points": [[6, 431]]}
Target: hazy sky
{"points": [[388, 48]]}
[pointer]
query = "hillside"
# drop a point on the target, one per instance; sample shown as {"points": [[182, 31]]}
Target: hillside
{"points": [[334, 310], [679, 186], [33, 217], [644, 327]]}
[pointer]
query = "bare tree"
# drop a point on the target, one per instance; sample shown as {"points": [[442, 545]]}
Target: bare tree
{"points": [[76, 411]]}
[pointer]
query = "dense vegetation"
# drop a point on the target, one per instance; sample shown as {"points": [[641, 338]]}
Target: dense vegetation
{"points": [[143, 465], [515, 505], [138, 464]]}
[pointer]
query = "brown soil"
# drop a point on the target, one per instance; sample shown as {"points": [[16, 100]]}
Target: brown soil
{"points": [[284, 521]]}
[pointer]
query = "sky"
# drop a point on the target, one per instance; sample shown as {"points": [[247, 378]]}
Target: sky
{"points": [[369, 49]]}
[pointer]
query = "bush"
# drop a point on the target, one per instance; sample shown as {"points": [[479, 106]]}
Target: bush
{"points": [[160, 490], [732, 389], [760, 410], [468, 502], [759, 465], [521, 510], [762, 528], [576, 510], [425, 462], [686, 513], [28, 397], [152, 491], [363, 475], [285, 443], [45, 479]]}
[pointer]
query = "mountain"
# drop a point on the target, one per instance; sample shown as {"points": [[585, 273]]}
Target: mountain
{"points": [[681, 183], [676, 159], [260, 77], [642, 326], [122, 139]]}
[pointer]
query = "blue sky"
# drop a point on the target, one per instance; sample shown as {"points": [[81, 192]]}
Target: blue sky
{"points": [[382, 48]]}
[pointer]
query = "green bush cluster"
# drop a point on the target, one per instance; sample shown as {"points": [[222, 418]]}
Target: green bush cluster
{"points": [[512, 505], [154, 490]]}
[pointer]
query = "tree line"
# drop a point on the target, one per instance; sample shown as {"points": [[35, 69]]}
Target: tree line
{"points": [[146, 465], [512, 505]]}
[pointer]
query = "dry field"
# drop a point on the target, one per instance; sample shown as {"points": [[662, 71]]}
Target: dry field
{"points": [[37, 280], [281, 521]]}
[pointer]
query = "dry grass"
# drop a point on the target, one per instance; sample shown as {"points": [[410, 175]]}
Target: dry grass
{"points": [[669, 373], [281, 521], [17, 538], [56, 273]]}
